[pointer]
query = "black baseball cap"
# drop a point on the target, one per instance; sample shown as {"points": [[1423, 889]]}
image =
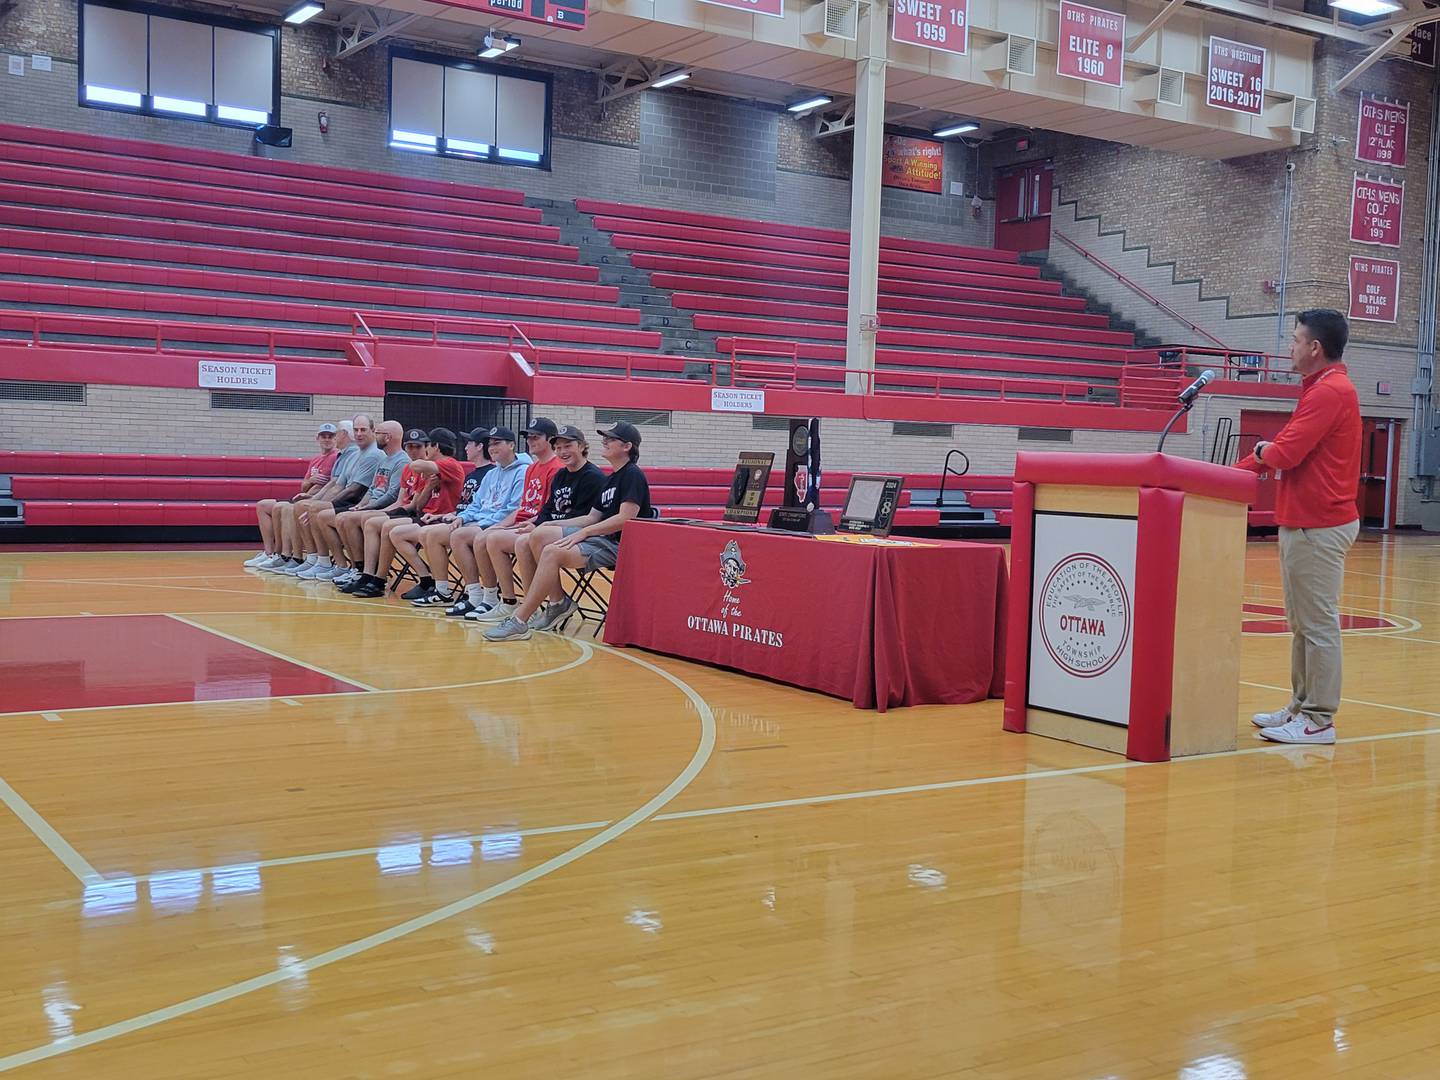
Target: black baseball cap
{"points": [[504, 434], [541, 426], [443, 436], [571, 432], [415, 435], [625, 432]]}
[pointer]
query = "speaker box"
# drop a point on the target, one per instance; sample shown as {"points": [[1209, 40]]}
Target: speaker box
{"points": [[270, 135]]}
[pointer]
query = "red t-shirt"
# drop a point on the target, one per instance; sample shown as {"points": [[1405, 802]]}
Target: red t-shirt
{"points": [[319, 467], [447, 495], [1317, 454], [410, 483], [538, 478]]}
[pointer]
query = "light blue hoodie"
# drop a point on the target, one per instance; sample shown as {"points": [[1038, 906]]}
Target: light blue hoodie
{"points": [[499, 494]]}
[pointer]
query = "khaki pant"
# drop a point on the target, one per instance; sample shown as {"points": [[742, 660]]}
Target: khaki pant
{"points": [[1312, 568]]}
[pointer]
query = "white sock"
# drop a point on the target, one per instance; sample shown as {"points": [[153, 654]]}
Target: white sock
{"points": [[475, 593], [491, 596], [311, 560], [323, 560], [442, 588]]}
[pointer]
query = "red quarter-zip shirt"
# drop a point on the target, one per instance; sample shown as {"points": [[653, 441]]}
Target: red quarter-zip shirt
{"points": [[1317, 454]]}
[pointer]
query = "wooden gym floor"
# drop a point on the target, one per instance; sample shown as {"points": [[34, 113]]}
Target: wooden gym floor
{"points": [[255, 829]]}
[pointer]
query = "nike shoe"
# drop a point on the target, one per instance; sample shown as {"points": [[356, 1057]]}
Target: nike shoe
{"points": [[1273, 719], [1301, 729]]}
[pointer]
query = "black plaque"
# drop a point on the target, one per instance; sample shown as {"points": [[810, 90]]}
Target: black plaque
{"points": [[747, 488]]}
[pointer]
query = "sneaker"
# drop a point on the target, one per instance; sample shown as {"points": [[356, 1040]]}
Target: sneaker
{"points": [[256, 559], [291, 568], [502, 610], [368, 590], [271, 563], [314, 573], [509, 629], [552, 616], [331, 573], [417, 593], [434, 598], [460, 608], [1300, 729], [1273, 719]]}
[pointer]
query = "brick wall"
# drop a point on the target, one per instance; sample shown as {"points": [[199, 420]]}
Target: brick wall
{"points": [[707, 146]]}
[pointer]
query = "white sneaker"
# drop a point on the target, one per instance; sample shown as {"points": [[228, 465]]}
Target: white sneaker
{"points": [[498, 613], [1300, 729], [314, 572], [347, 578], [291, 569], [1273, 719], [330, 573], [256, 559]]}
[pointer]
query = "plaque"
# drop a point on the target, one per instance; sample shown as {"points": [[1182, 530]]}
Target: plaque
{"points": [[747, 489]]}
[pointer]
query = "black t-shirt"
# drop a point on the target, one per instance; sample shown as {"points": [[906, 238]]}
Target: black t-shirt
{"points": [[626, 484], [472, 485], [572, 494]]}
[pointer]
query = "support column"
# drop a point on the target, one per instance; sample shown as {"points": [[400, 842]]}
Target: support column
{"points": [[863, 300]]}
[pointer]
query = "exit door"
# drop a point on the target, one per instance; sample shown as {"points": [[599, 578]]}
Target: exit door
{"points": [[1022, 206], [1379, 473], [1260, 427]]}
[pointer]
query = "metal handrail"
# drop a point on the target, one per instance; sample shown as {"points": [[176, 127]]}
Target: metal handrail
{"points": [[1139, 291], [947, 470]]}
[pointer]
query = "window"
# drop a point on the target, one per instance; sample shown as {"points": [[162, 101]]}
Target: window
{"points": [[920, 429], [168, 63], [469, 110]]}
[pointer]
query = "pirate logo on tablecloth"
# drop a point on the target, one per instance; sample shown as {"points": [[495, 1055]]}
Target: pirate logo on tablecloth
{"points": [[732, 566]]}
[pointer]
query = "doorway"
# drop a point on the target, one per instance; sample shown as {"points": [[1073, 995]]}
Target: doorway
{"points": [[1022, 206], [1379, 491], [1260, 427]]}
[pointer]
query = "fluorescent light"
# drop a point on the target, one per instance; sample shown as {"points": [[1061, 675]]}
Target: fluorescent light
{"points": [[956, 129], [810, 103], [498, 45], [241, 116], [1367, 7], [413, 140], [303, 12], [519, 155], [461, 146], [179, 105], [669, 80], [113, 97]]}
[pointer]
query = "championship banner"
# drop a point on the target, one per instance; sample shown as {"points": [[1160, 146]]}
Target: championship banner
{"points": [[933, 24], [1374, 289], [913, 164], [1091, 45], [1383, 133], [773, 8], [1235, 79], [1422, 45], [567, 13], [1376, 207]]}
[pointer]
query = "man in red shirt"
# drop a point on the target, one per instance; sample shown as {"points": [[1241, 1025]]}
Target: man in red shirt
{"points": [[1317, 459], [317, 475]]}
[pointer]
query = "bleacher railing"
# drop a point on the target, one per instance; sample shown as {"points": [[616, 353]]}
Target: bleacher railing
{"points": [[1233, 365], [169, 337]]}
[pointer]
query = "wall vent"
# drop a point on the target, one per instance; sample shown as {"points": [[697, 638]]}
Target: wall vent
{"points": [[259, 402], [639, 417], [59, 393]]}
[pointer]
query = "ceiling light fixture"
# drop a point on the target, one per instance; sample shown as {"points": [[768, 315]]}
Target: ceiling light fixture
{"points": [[957, 129], [304, 12], [669, 80], [810, 103], [498, 45], [1367, 7]]}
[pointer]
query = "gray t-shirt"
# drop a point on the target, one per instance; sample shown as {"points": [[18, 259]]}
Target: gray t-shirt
{"points": [[385, 487], [343, 464], [362, 468]]}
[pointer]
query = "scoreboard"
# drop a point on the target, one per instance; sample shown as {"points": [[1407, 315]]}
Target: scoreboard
{"points": [[567, 13]]}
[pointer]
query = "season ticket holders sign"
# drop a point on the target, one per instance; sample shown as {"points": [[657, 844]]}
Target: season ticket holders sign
{"points": [[1383, 132], [933, 24], [1235, 80], [1092, 44], [1374, 289], [1375, 211]]}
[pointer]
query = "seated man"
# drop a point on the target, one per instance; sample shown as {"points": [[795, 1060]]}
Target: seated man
{"points": [[384, 489], [348, 484], [497, 499], [435, 528], [494, 555], [363, 532], [438, 478], [593, 541], [572, 496], [332, 441]]}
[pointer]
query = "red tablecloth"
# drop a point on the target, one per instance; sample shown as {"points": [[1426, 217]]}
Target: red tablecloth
{"points": [[879, 625]]}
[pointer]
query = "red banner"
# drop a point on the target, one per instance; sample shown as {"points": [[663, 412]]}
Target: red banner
{"points": [[914, 164], [933, 24], [1383, 133], [1376, 207], [1236, 77], [1374, 289], [1092, 44], [773, 8], [567, 13]]}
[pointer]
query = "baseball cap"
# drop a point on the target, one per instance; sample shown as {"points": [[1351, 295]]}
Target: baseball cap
{"points": [[571, 432], [442, 436], [625, 432], [541, 426], [504, 434], [326, 429], [479, 435], [415, 435]]}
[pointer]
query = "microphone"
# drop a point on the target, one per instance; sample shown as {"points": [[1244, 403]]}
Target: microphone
{"points": [[1191, 392]]}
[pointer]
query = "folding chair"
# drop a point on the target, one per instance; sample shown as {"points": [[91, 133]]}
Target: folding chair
{"points": [[591, 603]]}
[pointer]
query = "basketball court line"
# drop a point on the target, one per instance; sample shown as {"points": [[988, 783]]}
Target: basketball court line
{"points": [[846, 796], [46, 834], [704, 748], [272, 652]]}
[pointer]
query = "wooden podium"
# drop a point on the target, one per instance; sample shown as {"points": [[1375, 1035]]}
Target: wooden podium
{"points": [[1127, 574]]}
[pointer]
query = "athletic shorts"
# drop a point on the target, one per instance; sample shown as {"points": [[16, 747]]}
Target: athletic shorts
{"points": [[601, 552], [404, 513]]}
